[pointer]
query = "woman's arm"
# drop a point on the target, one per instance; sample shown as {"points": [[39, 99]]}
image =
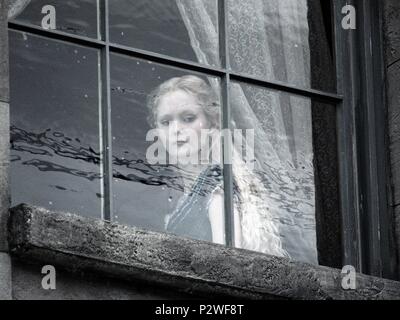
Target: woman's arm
{"points": [[217, 218]]}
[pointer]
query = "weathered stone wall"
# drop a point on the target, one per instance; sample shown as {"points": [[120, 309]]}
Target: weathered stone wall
{"points": [[188, 266], [5, 263], [392, 54], [27, 279], [4, 125], [5, 277], [4, 87]]}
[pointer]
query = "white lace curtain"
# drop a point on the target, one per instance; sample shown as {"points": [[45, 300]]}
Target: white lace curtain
{"points": [[269, 39]]}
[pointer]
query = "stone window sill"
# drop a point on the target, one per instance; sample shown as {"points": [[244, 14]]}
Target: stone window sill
{"points": [[76, 243]]}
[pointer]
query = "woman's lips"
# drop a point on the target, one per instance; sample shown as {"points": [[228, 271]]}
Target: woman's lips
{"points": [[181, 143]]}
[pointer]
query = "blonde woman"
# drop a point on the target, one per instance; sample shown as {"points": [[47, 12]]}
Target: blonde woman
{"points": [[181, 109]]}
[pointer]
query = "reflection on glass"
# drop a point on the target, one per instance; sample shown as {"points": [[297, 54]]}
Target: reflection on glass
{"points": [[55, 148], [275, 200], [78, 17], [168, 27], [169, 194], [283, 40]]}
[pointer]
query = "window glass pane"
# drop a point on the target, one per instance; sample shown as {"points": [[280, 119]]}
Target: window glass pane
{"points": [[154, 188], [55, 144], [178, 28], [274, 191], [283, 40], [79, 17]]}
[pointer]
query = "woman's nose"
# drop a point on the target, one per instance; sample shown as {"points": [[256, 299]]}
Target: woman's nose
{"points": [[176, 127]]}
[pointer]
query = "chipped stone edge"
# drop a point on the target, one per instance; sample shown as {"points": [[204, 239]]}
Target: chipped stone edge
{"points": [[79, 244]]}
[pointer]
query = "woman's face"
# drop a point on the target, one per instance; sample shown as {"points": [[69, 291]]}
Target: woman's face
{"points": [[180, 120]]}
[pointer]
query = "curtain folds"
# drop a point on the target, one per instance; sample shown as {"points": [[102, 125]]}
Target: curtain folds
{"points": [[268, 39]]}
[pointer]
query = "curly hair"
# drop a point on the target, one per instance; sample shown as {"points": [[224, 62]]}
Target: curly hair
{"points": [[190, 84]]}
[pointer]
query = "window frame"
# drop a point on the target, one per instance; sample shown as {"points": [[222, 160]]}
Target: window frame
{"points": [[365, 234], [367, 218]]}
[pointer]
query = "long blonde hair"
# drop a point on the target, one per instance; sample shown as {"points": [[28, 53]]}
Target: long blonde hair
{"points": [[258, 230]]}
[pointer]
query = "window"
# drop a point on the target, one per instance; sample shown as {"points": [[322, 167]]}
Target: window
{"points": [[55, 124], [87, 97]]}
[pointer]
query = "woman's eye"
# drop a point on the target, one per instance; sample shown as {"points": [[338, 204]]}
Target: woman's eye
{"points": [[189, 118]]}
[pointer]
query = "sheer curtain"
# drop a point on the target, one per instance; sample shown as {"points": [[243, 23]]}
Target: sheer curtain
{"points": [[269, 39]]}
